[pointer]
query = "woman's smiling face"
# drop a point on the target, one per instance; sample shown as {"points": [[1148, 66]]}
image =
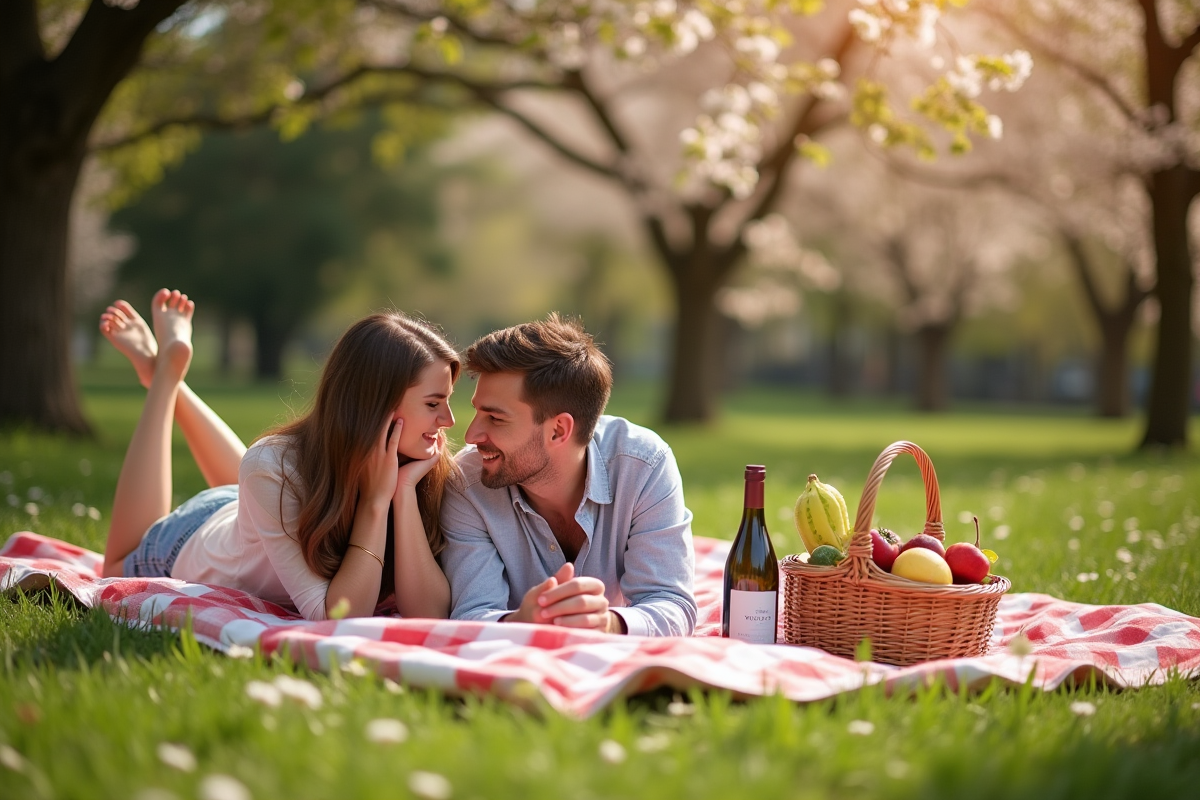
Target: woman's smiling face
{"points": [[425, 409]]}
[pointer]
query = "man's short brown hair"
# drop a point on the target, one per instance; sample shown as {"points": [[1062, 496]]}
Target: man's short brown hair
{"points": [[564, 369]]}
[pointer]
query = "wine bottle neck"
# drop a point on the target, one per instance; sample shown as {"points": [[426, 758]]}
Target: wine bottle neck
{"points": [[754, 495]]}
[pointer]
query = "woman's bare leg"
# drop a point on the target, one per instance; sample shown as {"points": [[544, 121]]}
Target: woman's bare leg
{"points": [[144, 486], [216, 448]]}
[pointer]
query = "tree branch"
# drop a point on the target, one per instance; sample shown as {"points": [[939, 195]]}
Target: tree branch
{"points": [[1083, 269], [776, 163], [217, 122], [1081, 70], [455, 23], [20, 40], [576, 81]]}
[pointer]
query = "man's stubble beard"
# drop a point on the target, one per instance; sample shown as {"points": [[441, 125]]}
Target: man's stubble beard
{"points": [[519, 466]]}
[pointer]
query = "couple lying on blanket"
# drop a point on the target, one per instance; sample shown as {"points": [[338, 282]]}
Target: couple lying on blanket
{"points": [[552, 514]]}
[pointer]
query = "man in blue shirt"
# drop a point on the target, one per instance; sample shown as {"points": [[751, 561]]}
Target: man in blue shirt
{"points": [[563, 516]]}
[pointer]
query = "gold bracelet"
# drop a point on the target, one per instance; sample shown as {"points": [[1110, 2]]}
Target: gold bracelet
{"points": [[368, 552]]}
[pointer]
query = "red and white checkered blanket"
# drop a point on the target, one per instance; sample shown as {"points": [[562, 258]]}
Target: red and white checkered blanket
{"points": [[579, 672]]}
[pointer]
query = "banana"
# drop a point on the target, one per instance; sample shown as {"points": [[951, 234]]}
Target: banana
{"points": [[821, 516]]}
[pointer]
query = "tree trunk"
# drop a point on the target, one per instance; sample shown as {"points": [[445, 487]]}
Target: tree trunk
{"points": [[932, 390], [269, 343], [839, 378], [47, 109], [693, 389], [38, 385], [1171, 193], [1112, 369]]}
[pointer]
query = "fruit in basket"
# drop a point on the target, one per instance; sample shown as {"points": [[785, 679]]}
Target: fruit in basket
{"points": [[926, 541], [924, 565], [885, 546], [821, 516], [969, 564], [826, 555]]}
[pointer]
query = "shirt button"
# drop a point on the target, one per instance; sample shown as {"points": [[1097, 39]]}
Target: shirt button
{"points": [[553, 549]]}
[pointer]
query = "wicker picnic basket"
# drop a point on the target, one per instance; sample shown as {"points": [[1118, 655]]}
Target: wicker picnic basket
{"points": [[835, 608]]}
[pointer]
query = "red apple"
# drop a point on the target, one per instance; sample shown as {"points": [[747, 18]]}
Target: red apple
{"points": [[885, 546], [968, 564], [926, 541]]}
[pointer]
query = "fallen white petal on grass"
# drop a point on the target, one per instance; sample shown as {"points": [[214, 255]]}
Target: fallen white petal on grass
{"points": [[678, 708], [612, 752], [265, 693], [654, 743], [387, 731], [11, 758], [301, 691], [239, 651], [176, 756], [861, 727], [355, 667], [155, 793], [430, 785], [1082, 708], [223, 787]]}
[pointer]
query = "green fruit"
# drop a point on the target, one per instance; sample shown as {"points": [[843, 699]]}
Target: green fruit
{"points": [[826, 556], [821, 516]]}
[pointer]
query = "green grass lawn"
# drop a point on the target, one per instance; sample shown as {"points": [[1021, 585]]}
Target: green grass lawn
{"points": [[87, 705]]}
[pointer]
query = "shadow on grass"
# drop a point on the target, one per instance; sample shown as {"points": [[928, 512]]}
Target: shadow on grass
{"points": [[49, 628]]}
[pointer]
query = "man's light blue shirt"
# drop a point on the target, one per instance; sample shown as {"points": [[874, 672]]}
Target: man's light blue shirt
{"points": [[639, 536]]}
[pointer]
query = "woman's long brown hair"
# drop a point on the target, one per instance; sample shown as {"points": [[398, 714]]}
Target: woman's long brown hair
{"points": [[370, 368]]}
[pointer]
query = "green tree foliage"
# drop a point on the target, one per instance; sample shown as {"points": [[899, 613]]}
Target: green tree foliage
{"points": [[266, 231]]}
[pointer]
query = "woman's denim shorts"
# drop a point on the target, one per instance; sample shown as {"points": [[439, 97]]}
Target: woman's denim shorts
{"points": [[156, 554]]}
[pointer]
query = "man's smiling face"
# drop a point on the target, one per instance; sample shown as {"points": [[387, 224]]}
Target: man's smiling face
{"points": [[504, 431]]}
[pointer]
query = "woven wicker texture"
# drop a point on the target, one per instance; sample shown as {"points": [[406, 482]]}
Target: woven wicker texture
{"points": [[835, 608]]}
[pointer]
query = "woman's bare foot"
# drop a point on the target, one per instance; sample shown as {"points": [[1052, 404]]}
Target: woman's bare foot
{"points": [[172, 315], [129, 333]]}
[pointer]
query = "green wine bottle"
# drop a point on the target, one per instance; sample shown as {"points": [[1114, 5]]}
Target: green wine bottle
{"points": [[751, 572]]}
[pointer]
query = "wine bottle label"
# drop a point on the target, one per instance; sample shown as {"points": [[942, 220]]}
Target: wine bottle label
{"points": [[752, 616]]}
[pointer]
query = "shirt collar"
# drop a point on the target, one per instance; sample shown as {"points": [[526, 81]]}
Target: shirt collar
{"points": [[598, 489]]}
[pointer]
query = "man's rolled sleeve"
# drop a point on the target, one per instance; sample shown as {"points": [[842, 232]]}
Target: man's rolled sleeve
{"points": [[478, 582], [659, 558]]}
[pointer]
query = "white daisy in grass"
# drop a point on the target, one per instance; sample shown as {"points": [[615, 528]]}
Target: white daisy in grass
{"points": [[355, 667], [387, 731], [176, 756], [678, 708], [155, 793], [239, 651], [299, 690], [430, 785], [12, 759], [653, 743], [223, 787], [392, 686], [1020, 646], [612, 752], [861, 727], [265, 693], [1082, 708]]}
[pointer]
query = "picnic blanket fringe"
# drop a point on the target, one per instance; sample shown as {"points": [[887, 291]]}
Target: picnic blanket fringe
{"points": [[580, 672]]}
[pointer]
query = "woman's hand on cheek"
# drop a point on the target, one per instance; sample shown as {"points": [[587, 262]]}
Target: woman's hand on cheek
{"points": [[411, 473], [378, 479]]}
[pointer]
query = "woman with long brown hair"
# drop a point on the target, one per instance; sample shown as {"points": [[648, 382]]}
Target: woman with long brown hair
{"points": [[330, 514]]}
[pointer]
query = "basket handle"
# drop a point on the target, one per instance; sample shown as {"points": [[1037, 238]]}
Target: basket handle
{"points": [[933, 500]]}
